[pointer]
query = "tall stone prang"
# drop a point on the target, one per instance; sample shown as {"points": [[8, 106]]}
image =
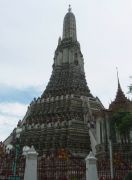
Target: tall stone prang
{"points": [[59, 118]]}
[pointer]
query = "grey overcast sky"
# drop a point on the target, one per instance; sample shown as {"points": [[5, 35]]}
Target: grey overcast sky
{"points": [[29, 32]]}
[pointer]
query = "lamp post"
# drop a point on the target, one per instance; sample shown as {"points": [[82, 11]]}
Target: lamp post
{"points": [[16, 148]]}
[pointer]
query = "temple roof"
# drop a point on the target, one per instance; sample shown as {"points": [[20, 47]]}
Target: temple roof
{"points": [[121, 102]]}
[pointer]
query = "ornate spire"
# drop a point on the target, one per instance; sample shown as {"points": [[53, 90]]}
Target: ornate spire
{"points": [[119, 86], [121, 102], [69, 26], [120, 96]]}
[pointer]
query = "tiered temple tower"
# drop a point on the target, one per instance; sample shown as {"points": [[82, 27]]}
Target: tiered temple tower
{"points": [[60, 117]]}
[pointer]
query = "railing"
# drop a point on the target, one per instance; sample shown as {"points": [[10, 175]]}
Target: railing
{"points": [[122, 165], [61, 165], [6, 168]]}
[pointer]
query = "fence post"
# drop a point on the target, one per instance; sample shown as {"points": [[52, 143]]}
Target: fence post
{"points": [[91, 168], [31, 165]]}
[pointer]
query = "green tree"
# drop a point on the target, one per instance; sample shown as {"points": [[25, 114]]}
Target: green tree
{"points": [[122, 122]]}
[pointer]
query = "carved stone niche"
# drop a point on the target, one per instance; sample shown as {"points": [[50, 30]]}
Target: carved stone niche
{"points": [[23, 127], [64, 123], [70, 123], [49, 125], [57, 98], [43, 100], [52, 124], [47, 100], [52, 99], [72, 95], [62, 97], [39, 100], [32, 125], [42, 126], [67, 96], [36, 126], [55, 125], [29, 127]]}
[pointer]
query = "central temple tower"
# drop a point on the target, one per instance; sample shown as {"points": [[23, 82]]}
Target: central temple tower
{"points": [[60, 117], [68, 75]]}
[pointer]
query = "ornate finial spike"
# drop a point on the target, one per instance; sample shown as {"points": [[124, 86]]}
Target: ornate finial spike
{"points": [[117, 74], [69, 9], [118, 78]]}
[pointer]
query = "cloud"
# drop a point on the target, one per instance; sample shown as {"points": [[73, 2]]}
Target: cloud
{"points": [[21, 95], [10, 114], [12, 109]]}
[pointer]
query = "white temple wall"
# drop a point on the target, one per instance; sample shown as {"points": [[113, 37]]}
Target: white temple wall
{"points": [[107, 127]]}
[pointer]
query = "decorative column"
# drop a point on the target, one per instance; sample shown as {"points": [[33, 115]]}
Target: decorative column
{"points": [[91, 168], [31, 165]]}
